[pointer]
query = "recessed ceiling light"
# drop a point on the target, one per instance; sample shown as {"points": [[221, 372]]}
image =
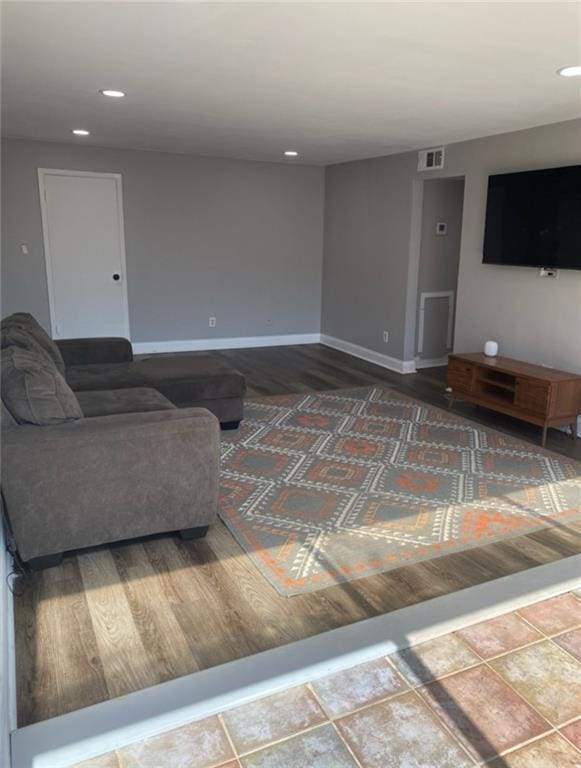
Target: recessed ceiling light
{"points": [[574, 71], [291, 153], [112, 93], [81, 132]]}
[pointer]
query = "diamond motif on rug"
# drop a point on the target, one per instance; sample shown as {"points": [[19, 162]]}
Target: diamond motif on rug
{"points": [[329, 487], [421, 484], [263, 463]]}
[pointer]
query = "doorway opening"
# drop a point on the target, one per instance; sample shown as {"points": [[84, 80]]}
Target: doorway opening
{"points": [[441, 230]]}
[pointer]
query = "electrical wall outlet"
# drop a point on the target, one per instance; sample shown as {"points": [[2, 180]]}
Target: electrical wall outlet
{"points": [[212, 322], [386, 337]]}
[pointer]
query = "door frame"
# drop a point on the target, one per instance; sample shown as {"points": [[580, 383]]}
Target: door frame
{"points": [[43, 173], [414, 253]]}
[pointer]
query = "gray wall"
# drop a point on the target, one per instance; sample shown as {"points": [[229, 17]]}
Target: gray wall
{"points": [[367, 233], [439, 258], [369, 238], [238, 240]]}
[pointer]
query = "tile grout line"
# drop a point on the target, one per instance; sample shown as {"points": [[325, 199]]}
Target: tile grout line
{"points": [[520, 695], [331, 720], [544, 636], [394, 667], [240, 754], [565, 650], [382, 700], [422, 683], [529, 623], [480, 660], [568, 740], [435, 717], [268, 745], [334, 725], [408, 691], [399, 694], [548, 635], [539, 640], [554, 730], [227, 734], [522, 744], [346, 744]]}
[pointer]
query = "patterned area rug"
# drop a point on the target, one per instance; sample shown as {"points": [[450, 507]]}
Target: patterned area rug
{"points": [[332, 486]]}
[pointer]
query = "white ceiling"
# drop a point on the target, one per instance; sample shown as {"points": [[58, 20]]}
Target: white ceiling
{"points": [[337, 81]]}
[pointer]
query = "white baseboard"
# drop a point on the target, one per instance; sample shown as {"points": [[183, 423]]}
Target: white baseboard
{"points": [[94, 730], [433, 362], [385, 361], [245, 342], [236, 342]]}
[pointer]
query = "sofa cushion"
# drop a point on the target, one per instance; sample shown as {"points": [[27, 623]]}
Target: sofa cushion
{"points": [[33, 391], [182, 379], [6, 418], [13, 335], [95, 351], [107, 402], [27, 322]]}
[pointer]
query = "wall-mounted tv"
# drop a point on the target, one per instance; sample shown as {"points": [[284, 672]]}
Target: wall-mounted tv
{"points": [[533, 219]]}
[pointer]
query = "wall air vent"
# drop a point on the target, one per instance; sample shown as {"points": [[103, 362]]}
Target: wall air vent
{"points": [[431, 159]]}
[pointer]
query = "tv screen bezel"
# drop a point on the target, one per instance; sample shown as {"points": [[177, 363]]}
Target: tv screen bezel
{"points": [[520, 264]]}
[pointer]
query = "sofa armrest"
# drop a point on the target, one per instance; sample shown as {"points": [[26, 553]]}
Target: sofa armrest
{"points": [[94, 351], [110, 478]]}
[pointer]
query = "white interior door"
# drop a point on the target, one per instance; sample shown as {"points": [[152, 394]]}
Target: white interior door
{"points": [[82, 217]]}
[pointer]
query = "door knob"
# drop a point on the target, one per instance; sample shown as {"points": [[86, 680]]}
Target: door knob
{"points": [[116, 276]]}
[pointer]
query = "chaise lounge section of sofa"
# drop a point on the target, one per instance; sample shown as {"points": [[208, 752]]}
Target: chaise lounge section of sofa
{"points": [[187, 381]]}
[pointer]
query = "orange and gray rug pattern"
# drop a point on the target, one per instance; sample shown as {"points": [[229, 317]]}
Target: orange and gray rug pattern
{"points": [[328, 487]]}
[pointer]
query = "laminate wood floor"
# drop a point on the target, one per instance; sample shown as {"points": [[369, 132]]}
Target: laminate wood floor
{"points": [[120, 618]]}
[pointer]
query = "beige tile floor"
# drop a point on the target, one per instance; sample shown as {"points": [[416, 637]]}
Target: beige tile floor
{"points": [[505, 693]]}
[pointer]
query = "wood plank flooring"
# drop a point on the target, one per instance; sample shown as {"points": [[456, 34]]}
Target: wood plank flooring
{"points": [[120, 618]]}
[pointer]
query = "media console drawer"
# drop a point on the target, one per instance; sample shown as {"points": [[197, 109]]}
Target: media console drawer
{"points": [[460, 375], [543, 396], [532, 395]]}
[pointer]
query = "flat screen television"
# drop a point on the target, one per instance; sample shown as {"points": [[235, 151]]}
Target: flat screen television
{"points": [[533, 219]]}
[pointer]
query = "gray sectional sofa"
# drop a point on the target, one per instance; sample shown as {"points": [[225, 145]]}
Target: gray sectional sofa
{"points": [[98, 448]]}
